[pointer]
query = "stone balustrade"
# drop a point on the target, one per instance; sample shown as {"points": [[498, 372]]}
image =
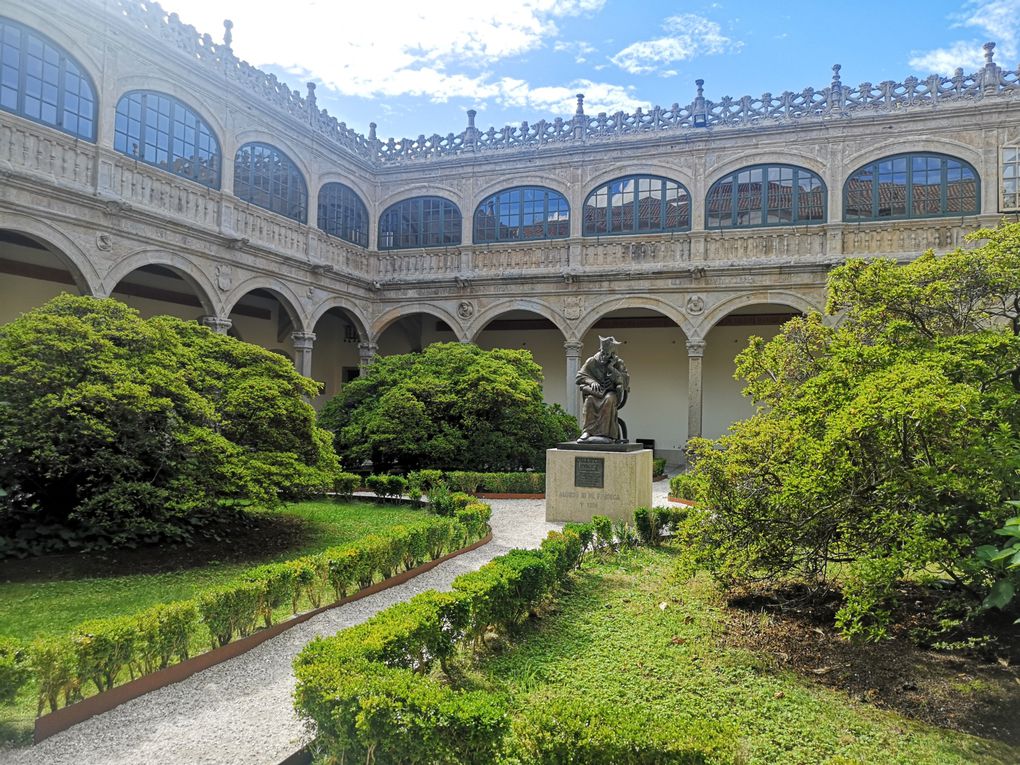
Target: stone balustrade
{"points": [[143, 186], [526, 257], [29, 150]]}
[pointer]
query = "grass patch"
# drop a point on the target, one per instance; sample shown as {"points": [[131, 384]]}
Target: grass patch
{"points": [[51, 595], [631, 634]]}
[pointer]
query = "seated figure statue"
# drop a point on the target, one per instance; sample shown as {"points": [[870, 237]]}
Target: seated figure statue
{"points": [[605, 384]]}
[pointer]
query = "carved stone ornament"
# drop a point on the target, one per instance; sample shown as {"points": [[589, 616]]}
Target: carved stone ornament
{"points": [[465, 310], [695, 305], [224, 278], [572, 307], [104, 242]]}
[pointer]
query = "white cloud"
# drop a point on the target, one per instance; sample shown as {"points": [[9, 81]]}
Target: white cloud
{"points": [[687, 36], [996, 20], [436, 51]]}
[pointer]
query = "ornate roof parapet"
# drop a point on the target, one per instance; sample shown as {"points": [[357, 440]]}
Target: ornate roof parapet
{"points": [[834, 101]]}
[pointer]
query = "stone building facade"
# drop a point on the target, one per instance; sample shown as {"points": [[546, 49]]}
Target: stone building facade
{"points": [[143, 160]]}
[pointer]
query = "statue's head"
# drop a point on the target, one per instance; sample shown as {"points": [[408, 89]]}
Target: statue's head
{"points": [[607, 345]]}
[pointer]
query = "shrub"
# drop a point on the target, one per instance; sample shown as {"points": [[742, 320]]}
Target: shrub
{"points": [[232, 609], [441, 501], [603, 528], [345, 484], [426, 479], [475, 519], [562, 731], [278, 579], [585, 534], [465, 481], [658, 466], [396, 485], [102, 648], [119, 431], [685, 486], [310, 573], [53, 665], [452, 406], [15, 670], [440, 537], [165, 632]]}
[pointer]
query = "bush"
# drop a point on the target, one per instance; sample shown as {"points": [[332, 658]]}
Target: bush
{"points": [[684, 486], [15, 670], [452, 406], [475, 518], [102, 648], [53, 665], [387, 486], [278, 581], [165, 633], [232, 609], [658, 467], [345, 484], [119, 431], [585, 534], [468, 482], [562, 731], [603, 528]]}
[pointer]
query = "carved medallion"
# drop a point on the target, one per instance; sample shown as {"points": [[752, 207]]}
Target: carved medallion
{"points": [[465, 309], [572, 307], [104, 242], [224, 278], [695, 305]]}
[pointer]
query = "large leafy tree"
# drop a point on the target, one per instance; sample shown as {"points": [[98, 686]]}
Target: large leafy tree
{"points": [[452, 406], [887, 444], [115, 429]]}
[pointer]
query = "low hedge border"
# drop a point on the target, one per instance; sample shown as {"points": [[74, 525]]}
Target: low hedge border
{"points": [[100, 654], [370, 689]]}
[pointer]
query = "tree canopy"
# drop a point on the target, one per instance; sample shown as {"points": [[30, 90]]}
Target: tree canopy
{"points": [[885, 445], [453, 406], [116, 429]]}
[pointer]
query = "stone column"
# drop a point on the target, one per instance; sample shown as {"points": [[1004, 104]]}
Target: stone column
{"points": [[573, 348], [303, 342], [695, 352], [366, 354], [217, 324]]}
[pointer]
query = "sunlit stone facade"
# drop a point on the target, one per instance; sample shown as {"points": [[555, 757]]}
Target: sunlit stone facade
{"points": [[142, 160]]}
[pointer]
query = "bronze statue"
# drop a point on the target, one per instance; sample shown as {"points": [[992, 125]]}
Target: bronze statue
{"points": [[605, 384]]}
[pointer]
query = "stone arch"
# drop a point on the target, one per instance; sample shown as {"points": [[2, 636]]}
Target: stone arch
{"points": [[83, 271], [360, 187], [353, 310], [899, 145], [431, 189], [624, 169], [298, 154], [280, 290], [785, 157], [659, 305], [387, 318], [478, 324], [84, 55], [191, 97], [796, 300], [183, 266], [541, 180]]}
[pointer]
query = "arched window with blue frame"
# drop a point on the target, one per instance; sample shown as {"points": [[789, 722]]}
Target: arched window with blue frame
{"points": [[637, 204], [766, 195], [342, 213], [521, 214], [41, 81], [912, 185], [162, 131], [268, 178], [420, 222]]}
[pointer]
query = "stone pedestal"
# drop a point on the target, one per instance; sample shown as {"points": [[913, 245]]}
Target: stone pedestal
{"points": [[583, 483]]}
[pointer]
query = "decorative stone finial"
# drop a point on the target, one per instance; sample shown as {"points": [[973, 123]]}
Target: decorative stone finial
{"points": [[371, 131], [989, 53], [471, 113], [580, 105], [701, 88], [228, 36], [835, 75]]}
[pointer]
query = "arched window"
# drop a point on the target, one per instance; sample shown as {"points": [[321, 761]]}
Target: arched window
{"points": [[916, 185], [162, 131], [41, 81], [637, 204], [765, 195], [343, 214], [420, 222], [526, 212], [266, 177]]}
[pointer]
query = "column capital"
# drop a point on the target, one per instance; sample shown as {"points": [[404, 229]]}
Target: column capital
{"points": [[573, 347], [372, 348], [217, 324], [302, 341], [696, 348]]}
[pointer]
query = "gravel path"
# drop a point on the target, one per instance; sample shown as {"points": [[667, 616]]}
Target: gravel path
{"points": [[241, 711]]}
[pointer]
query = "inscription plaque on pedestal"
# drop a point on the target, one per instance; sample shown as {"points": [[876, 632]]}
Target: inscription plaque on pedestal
{"points": [[589, 472]]}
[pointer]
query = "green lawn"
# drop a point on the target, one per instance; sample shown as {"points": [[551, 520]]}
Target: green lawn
{"points": [[610, 640], [51, 596], [57, 595]]}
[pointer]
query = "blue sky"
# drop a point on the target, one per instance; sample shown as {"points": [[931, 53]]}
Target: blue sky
{"points": [[414, 66]]}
